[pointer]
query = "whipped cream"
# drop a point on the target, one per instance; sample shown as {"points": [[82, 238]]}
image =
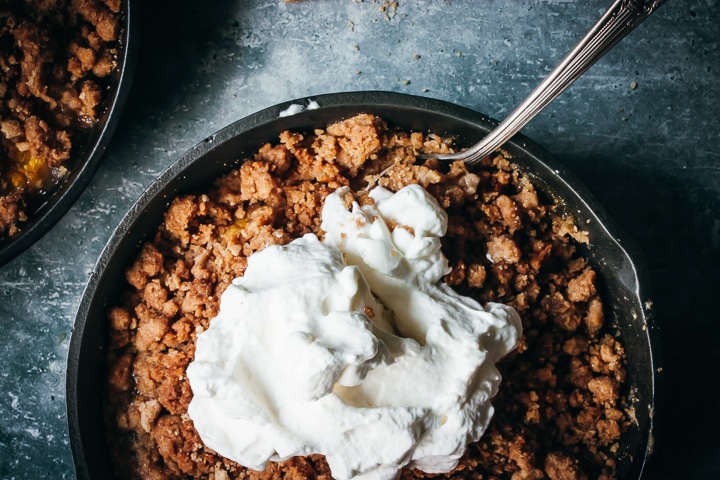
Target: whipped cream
{"points": [[296, 108], [353, 348]]}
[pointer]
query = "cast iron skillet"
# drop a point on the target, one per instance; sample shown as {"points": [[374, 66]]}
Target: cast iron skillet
{"points": [[622, 277], [85, 161]]}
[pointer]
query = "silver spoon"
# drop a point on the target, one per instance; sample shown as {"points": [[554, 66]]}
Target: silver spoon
{"points": [[619, 20]]}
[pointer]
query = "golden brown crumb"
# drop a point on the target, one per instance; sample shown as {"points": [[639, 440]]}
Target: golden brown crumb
{"points": [[559, 411]]}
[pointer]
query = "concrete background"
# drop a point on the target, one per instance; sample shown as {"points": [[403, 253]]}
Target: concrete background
{"points": [[640, 129]]}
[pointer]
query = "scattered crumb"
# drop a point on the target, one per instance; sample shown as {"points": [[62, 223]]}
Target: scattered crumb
{"points": [[389, 8]]}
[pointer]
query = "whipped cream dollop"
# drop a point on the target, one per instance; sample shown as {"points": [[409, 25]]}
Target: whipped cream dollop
{"points": [[353, 348]]}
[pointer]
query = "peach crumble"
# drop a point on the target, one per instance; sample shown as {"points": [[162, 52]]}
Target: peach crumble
{"points": [[559, 413]]}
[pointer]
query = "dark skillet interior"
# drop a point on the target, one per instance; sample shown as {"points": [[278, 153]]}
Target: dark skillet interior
{"points": [[621, 277], [85, 160]]}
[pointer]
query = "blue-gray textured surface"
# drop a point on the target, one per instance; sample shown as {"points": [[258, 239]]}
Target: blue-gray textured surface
{"points": [[640, 129]]}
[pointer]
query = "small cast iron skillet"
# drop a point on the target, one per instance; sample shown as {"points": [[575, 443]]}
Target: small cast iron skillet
{"points": [[623, 284], [86, 159]]}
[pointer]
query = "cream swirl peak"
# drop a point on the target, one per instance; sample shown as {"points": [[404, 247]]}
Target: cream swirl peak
{"points": [[353, 348]]}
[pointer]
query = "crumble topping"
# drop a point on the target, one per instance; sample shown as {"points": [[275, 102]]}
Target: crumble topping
{"points": [[56, 58], [560, 409]]}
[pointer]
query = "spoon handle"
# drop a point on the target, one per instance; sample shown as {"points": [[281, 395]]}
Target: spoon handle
{"points": [[619, 20]]}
